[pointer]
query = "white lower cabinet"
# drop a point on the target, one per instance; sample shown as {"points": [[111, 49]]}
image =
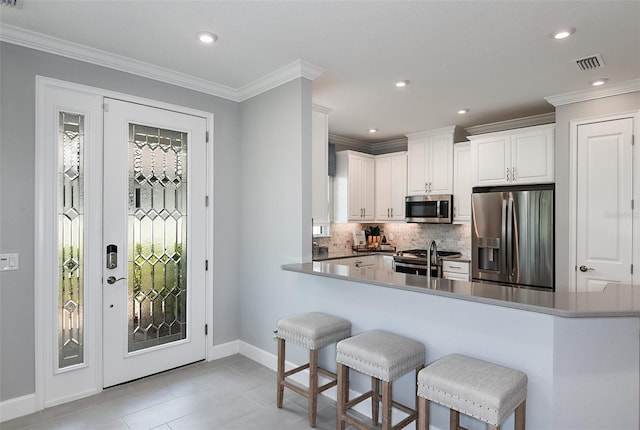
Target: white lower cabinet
{"points": [[363, 261], [456, 270]]}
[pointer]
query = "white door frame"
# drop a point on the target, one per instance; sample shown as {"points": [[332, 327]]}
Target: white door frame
{"points": [[573, 191], [45, 275]]}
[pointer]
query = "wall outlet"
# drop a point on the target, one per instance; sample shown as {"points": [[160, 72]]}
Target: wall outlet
{"points": [[9, 262]]}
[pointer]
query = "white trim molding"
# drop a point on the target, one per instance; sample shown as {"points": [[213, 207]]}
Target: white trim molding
{"points": [[41, 42], [529, 121], [17, 407], [591, 94]]}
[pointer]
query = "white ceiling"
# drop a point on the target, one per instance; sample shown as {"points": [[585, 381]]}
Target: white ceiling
{"points": [[495, 58]]}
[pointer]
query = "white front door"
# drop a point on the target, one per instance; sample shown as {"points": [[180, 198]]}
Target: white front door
{"points": [[604, 233], [154, 224]]}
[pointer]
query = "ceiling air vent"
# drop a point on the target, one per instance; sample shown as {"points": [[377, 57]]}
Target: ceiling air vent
{"points": [[12, 3], [590, 63]]}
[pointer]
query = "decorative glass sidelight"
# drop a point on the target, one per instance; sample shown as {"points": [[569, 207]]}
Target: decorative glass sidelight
{"points": [[70, 239], [157, 291]]}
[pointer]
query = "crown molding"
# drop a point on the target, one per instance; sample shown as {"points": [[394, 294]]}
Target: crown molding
{"points": [[591, 94], [41, 42], [395, 145], [350, 143], [295, 70], [321, 109], [529, 121]]}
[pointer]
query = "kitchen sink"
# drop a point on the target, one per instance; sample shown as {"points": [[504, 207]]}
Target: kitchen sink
{"points": [[450, 254]]}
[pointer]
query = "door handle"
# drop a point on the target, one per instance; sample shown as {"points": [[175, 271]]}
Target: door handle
{"points": [[586, 269], [113, 279]]}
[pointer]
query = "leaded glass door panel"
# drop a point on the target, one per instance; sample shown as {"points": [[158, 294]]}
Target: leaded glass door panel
{"points": [[154, 240]]}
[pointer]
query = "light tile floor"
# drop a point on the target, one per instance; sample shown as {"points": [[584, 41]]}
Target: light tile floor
{"points": [[233, 393]]}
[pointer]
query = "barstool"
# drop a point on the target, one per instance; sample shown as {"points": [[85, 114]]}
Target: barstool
{"points": [[477, 388], [385, 357], [313, 330]]}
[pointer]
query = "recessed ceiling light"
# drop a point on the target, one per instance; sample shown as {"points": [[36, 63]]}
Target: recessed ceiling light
{"points": [[206, 37], [373, 130], [463, 111], [599, 81], [401, 84], [563, 33]]}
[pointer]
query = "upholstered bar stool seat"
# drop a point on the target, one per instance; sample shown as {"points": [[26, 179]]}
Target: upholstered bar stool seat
{"points": [[313, 330], [385, 357], [477, 388]]}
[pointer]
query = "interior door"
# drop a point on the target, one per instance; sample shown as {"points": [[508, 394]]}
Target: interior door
{"points": [[154, 240], [604, 238]]}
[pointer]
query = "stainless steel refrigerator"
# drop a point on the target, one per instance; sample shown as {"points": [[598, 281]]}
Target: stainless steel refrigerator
{"points": [[512, 235]]}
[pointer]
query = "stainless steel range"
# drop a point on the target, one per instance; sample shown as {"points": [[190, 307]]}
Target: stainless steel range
{"points": [[415, 261]]}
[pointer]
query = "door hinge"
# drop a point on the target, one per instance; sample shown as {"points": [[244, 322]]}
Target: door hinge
{"points": [[632, 201], [632, 269], [206, 264], [206, 201], [575, 268], [206, 136], [206, 329], [633, 139], [105, 107]]}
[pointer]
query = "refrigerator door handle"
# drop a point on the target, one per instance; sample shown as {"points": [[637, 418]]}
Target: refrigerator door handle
{"points": [[509, 220], [503, 245]]}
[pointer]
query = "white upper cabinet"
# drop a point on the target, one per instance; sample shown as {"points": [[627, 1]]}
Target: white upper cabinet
{"points": [[319, 164], [430, 162], [391, 186], [462, 182], [354, 187], [520, 156]]}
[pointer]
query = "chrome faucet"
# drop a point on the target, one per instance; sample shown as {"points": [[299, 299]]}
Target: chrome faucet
{"points": [[432, 250]]}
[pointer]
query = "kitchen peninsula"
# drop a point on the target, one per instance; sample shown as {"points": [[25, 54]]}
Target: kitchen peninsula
{"points": [[581, 351]]}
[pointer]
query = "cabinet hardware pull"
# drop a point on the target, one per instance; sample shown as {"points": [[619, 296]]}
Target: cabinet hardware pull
{"points": [[514, 174], [391, 212], [508, 170]]}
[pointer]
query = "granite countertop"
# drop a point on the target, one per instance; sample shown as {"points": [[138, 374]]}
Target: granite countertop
{"points": [[615, 301]]}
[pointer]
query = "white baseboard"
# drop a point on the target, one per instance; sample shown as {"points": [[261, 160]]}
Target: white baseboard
{"points": [[225, 349], [71, 398], [17, 407]]}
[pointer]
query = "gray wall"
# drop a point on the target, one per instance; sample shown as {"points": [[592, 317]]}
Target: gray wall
{"points": [[276, 205], [564, 114], [18, 68]]}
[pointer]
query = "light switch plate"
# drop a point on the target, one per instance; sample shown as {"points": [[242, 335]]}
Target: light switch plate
{"points": [[9, 262]]}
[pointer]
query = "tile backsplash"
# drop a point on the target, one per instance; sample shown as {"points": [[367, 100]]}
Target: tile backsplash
{"points": [[450, 237]]}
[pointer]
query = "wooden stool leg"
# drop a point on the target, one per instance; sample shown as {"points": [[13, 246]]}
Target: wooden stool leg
{"points": [[313, 386], [375, 400], [280, 377], [454, 419], [423, 414], [386, 405], [521, 414], [343, 394]]}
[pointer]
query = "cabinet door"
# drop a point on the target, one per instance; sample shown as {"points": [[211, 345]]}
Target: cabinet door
{"points": [[319, 175], [383, 188], [417, 167], [398, 186], [355, 188], [532, 156], [440, 165], [462, 182], [367, 184], [491, 158]]}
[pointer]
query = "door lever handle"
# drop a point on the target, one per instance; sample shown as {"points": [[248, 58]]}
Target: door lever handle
{"points": [[586, 269], [113, 279]]}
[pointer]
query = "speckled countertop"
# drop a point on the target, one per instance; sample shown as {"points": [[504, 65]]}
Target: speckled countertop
{"points": [[615, 301]]}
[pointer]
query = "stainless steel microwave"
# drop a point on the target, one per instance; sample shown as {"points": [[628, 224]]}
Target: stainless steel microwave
{"points": [[430, 209]]}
